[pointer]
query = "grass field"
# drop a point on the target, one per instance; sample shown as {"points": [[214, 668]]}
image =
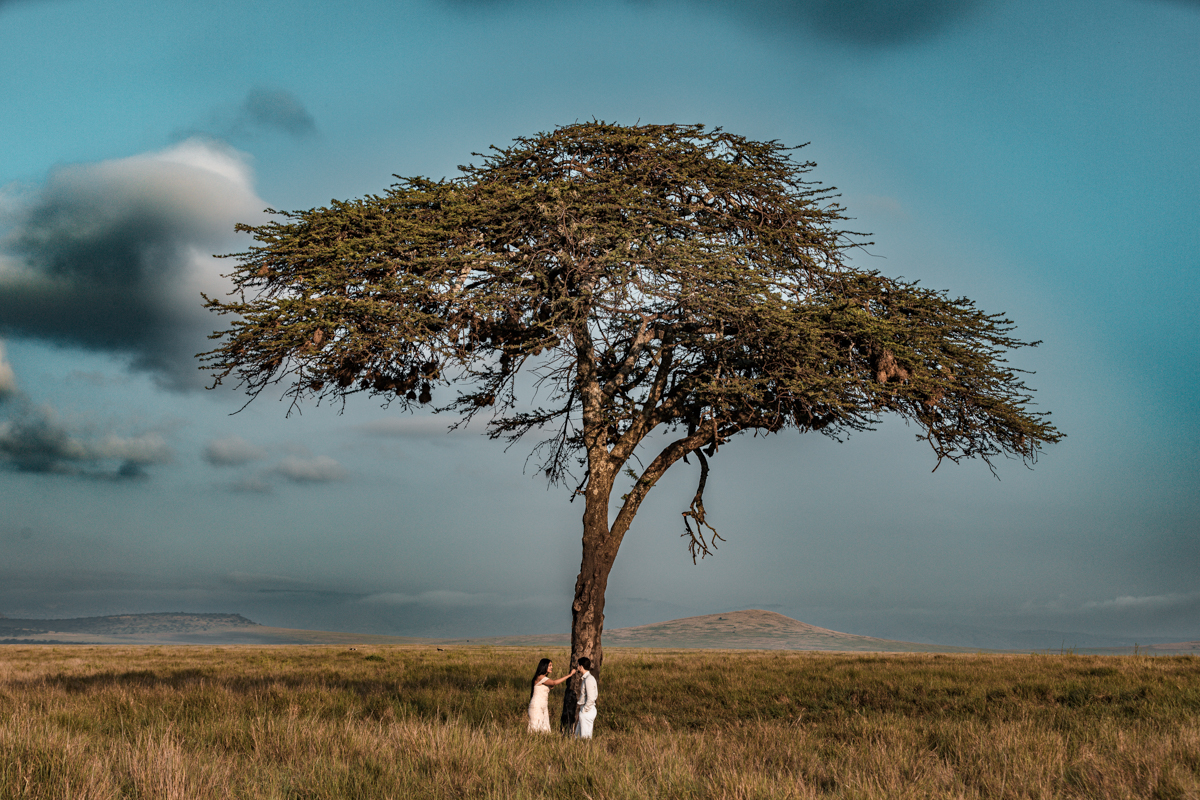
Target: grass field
{"points": [[321, 722]]}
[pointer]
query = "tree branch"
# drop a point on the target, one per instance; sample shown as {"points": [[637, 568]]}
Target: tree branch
{"points": [[697, 543], [655, 470]]}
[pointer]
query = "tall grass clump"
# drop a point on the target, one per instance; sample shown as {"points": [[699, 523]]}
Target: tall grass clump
{"points": [[320, 722]]}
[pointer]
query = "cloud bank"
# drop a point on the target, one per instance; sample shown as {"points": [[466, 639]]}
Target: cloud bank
{"points": [[34, 440], [113, 256]]}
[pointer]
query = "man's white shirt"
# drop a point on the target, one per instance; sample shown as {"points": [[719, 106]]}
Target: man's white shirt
{"points": [[588, 692]]}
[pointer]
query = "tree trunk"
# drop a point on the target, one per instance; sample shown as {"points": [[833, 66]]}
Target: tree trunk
{"points": [[587, 610]]}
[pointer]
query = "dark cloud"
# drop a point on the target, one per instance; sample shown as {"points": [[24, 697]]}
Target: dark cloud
{"points": [[261, 111], [35, 443], [113, 256], [864, 23], [34, 440], [277, 109], [876, 22]]}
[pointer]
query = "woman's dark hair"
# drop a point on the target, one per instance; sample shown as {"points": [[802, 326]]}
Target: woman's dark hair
{"points": [[543, 666]]}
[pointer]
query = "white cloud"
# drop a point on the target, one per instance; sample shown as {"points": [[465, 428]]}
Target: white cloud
{"points": [[147, 448], [320, 469], [204, 156], [232, 451]]}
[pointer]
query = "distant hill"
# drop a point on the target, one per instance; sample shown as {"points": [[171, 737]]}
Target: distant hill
{"points": [[736, 630], [757, 630]]}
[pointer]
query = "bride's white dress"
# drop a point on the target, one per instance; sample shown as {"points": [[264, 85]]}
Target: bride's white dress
{"points": [[539, 709]]}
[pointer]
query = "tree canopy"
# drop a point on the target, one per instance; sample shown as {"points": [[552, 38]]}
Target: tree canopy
{"points": [[654, 277]]}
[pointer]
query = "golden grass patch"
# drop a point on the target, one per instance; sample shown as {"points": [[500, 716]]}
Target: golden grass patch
{"points": [[377, 722]]}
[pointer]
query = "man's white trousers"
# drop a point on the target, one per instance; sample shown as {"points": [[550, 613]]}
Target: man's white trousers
{"points": [[583, 722]]}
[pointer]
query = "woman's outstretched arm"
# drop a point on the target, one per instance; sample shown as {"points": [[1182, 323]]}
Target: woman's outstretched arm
{"points": [[560, 680]]}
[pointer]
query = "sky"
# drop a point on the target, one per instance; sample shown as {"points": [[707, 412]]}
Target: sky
{"points": [[1037, 156]]}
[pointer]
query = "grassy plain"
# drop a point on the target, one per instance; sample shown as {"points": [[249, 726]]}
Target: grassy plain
{"points": [[328, 722]]}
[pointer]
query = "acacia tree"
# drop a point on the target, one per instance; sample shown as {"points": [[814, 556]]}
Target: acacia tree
{"points": [[648, 278]]}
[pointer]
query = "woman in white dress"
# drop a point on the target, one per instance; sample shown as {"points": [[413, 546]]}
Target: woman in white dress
{"points": [[539, 696]]}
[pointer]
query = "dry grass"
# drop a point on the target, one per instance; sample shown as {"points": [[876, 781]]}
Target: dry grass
{"points": [[319, 722]]}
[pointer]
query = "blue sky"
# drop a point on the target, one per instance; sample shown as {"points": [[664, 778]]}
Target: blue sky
{"points": [[1038, 157]]}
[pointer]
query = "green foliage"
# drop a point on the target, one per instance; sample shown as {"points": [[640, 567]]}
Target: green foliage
{"points": [[656, 275]]}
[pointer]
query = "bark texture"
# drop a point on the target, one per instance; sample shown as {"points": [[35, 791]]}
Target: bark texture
{"points": [[587, 617], [599, 552]]}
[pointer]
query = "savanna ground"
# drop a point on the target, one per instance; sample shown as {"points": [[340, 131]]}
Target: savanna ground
{"points": [[324, 722]]}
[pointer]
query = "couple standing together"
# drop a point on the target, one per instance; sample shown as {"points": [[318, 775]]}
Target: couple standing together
{"points": [[539, 698]]}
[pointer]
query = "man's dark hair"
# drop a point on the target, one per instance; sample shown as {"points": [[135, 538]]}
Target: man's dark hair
{"points": [[586, 663]]}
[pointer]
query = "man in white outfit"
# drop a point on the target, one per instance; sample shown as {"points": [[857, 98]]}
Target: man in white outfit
{"points": [[585, 713]]}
